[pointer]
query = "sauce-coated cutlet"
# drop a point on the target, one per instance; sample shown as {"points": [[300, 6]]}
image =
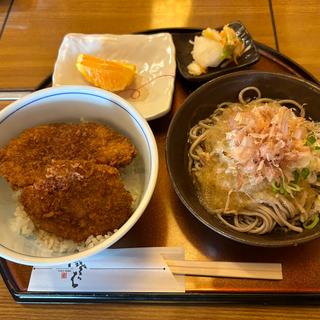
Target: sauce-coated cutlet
{"points": [[75, 199], [25, 158]]}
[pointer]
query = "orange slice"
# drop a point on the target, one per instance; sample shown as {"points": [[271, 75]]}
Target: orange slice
{"points": [[105, 74]]}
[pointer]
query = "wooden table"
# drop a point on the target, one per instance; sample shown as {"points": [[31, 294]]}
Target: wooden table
{"points": [[31, 34]]}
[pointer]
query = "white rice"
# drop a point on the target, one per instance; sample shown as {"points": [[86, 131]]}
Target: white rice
{"points": [[23, 225], [132, 177]]}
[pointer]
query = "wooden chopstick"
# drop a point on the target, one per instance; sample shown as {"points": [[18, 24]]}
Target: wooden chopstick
{"points": [[270, 271]]}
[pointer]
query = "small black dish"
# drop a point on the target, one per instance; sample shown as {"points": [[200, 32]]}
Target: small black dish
{"points": [[184, 57], [199, 105]]}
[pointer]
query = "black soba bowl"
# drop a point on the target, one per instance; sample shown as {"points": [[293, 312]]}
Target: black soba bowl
{"points": [[199, 105]]}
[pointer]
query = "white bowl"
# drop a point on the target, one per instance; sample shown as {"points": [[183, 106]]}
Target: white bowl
{"points": [[65, 104]]}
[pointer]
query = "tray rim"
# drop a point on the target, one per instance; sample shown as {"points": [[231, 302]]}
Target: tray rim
{"points": [[265, 298], [255, 298]]}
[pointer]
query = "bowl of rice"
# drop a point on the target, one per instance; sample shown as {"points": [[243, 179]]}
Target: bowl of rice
{"points": [[78, 166]]}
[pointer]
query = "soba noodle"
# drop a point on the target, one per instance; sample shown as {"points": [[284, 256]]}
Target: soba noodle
{"points": [[256, 164]]}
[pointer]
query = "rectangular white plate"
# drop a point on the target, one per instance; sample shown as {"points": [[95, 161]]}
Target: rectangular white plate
{"points": [[154, 55]]}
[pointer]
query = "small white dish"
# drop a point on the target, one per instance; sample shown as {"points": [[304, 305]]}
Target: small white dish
{"points": [[154, 55]]}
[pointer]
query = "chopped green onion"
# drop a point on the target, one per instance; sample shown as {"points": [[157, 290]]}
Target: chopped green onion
{"points": [[283, 190], [275, 188], [313, 223], [296, 176], [294, 187], [311, 139], [305, 173], [317, 148]]}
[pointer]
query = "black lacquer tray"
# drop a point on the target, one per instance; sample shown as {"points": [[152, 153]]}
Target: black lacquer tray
{"points": [[166, 222]]}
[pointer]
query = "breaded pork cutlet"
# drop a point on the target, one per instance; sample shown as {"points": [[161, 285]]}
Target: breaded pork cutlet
{"points": [[76, 199], [25, 158]]}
